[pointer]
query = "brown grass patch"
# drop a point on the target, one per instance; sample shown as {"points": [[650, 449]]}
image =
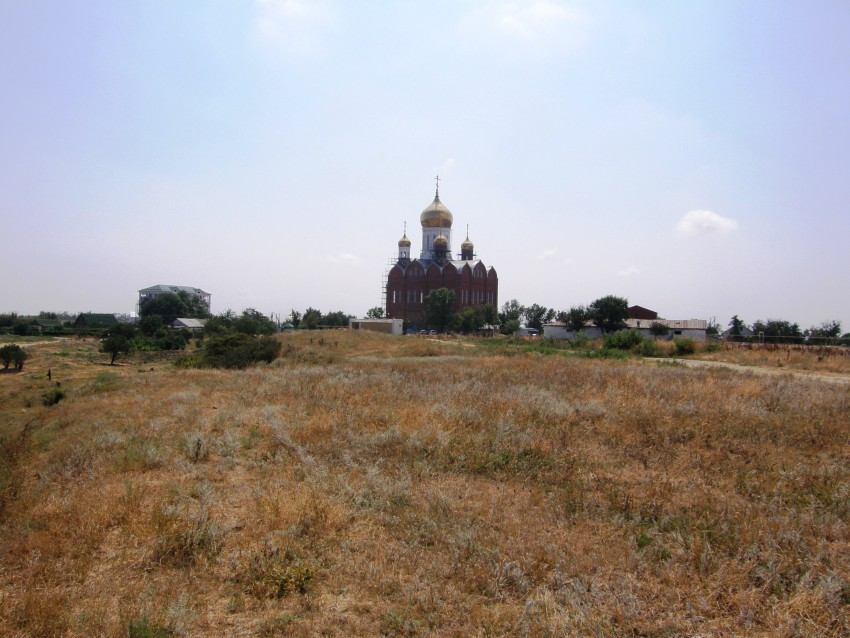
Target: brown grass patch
{"points": [[365, 485]]}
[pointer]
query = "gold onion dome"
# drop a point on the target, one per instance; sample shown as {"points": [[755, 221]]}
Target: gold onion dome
{"points": [[404, 242], [441, 241], [436, 215], [466, 244]]}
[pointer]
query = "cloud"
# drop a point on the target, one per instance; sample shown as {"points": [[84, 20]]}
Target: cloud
{"points": [[530, 23], [629, 271], [292, 26], [547, 252], [446, 166], [344, 258], [531, 20], [703, 222], [569, 261]]}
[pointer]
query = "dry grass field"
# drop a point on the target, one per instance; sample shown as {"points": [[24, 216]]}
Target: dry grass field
{"points": [[364, 485]]}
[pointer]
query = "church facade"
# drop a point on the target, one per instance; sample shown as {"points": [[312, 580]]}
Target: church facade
{"points": [[410, 280]]}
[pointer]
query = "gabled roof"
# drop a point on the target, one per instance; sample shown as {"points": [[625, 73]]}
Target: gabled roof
{"points": [[96, 320], [186, 322]]}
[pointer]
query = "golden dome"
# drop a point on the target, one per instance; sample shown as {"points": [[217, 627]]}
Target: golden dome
{"points": [[436, 215], [404, 242], [441, 241], [467, 244]]}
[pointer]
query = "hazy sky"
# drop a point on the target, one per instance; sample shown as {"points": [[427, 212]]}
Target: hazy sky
{"points": [[693, 156]]}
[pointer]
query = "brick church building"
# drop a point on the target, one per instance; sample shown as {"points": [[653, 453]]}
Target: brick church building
{"points": [[410, 280]]}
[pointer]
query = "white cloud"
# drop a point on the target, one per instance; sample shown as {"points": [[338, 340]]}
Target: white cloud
{"points": [[534, 25], [292, 26], [446, 166], [344, 258], [531, 20], [629, 271], [547, 252], [569, 262], [702, 222]]}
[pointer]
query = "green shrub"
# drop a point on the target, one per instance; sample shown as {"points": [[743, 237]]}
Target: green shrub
{"points": [[238, 350], [649, 348], [52, 396], [712, 347], [580, 341], [685, 345], [145, 629], [622, 339]]}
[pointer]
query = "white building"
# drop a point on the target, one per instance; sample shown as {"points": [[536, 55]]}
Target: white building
{"points": [[691, 328]]}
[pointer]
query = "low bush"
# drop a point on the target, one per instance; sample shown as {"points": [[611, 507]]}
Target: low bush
{"points": [[52, 396], [238, 350], [649, 348], [623, 339], [685, 345]]}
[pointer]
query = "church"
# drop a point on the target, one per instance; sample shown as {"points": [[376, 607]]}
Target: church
{"points": [[409, 281]]}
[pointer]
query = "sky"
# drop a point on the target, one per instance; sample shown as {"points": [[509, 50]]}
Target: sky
{"points": [[693, 157]]}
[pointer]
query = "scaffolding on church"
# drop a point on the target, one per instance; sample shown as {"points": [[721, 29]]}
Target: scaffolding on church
{"points": [[392, 261]]}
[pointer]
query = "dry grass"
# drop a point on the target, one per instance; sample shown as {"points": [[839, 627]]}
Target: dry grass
{"points": [[366, 485]]}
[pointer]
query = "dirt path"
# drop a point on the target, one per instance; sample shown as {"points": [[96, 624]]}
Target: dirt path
{"points": [[832, 377]]}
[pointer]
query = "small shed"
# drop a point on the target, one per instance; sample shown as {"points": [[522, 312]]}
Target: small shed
{"points": [[190, 323]]}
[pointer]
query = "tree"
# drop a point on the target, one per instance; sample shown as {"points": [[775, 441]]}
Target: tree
{"points": [[115, 345], [574, 318], [336, 318], [609, 313], [169, 306], [295, 318], [778, 331], [13, 354], [509, 316], [536, 315], [827, 331], [489, 314], [438, 309], [312, 318], [375, 313], [658, 329], [737, 326], [470, 319], [254, 322]]}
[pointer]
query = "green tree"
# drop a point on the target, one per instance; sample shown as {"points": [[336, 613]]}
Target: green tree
{"points": [[253, 322], [337, 318], [151, 324], [536, 315], [490, 314], [509, 316], [13, 354], [438, 309], [115, 345], [169, 306], [375, 313], [609, 313], [825, 333], [574, 318], [658, 329], [312, 318], [295, 318], [778, 331], [470, 319], [737, 326]]}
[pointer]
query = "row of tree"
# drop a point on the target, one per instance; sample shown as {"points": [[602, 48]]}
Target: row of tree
{"points": [[781, 331]]}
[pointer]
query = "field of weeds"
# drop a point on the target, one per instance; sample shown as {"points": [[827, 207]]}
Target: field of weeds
{"points": [[364, 485]]}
